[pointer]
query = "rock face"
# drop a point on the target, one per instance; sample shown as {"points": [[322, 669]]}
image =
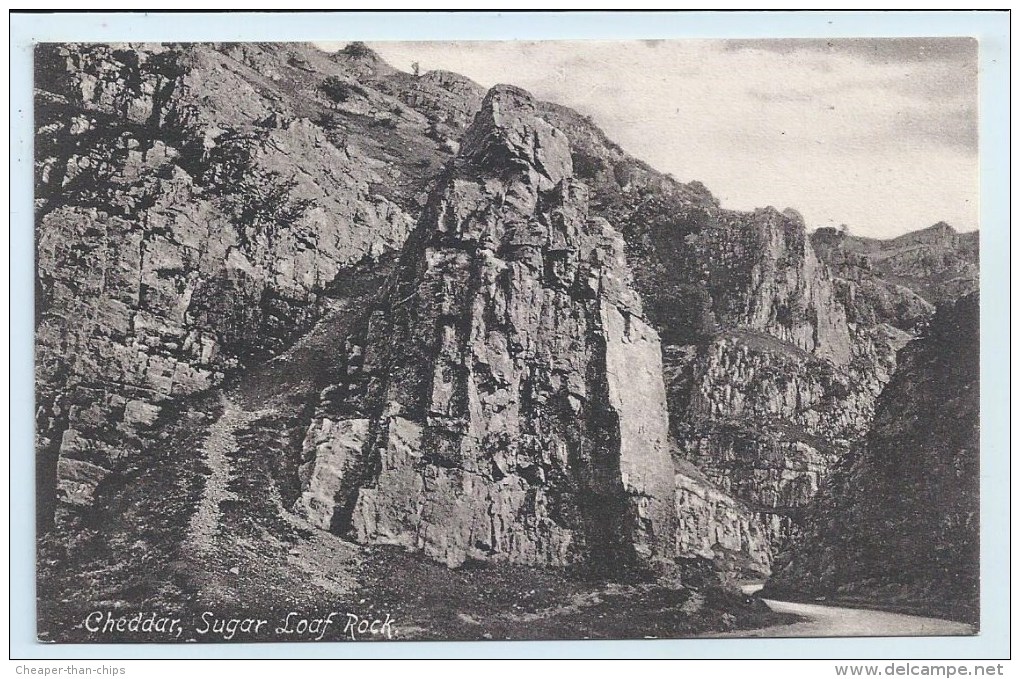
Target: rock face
{"points": [[776, 343], [767, 381], [193, 203], [761, 274], [505, 400], [765, 422], [898, 281], [712, 525], [898, 521]]}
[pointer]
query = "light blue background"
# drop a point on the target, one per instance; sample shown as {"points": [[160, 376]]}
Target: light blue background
{"points": [[992, 29]]}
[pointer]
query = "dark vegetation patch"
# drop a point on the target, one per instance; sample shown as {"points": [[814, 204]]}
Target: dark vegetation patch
{"points": [[340, 90], [126, 550]]}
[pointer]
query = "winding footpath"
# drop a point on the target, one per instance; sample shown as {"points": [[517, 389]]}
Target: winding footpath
{"points": [[834, 621]]}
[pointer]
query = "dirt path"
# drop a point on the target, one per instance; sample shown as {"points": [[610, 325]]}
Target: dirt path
{"points": [[205, 522], [834, 621], [244, 547]]}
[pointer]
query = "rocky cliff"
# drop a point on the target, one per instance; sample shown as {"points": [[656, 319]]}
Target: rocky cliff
{"points": [[898, 522], [504, 400], [898, 281], [201, 208], [768, 380], [193, 204], [740, 296]]}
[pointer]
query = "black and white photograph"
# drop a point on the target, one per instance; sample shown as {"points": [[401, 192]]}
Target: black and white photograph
{"points": [[383, 341]]}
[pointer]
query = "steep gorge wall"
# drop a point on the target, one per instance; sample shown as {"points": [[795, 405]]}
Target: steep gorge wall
{"points": [[897, 522], [768, 381], [712, 525]]}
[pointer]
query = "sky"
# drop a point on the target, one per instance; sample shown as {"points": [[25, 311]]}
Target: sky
{"points": [[877, 134]]}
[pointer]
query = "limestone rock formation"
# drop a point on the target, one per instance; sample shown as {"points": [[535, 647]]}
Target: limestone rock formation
{"points": [[766, 422], [712, 525], [898, 520], [774, 351], [743, 296], [767, 380], [505, 399]]}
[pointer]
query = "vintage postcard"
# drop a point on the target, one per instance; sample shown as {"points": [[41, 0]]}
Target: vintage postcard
{"points": [[507, 340]]}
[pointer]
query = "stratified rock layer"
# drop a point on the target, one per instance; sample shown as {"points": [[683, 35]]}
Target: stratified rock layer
{"points": [[509, 389]]}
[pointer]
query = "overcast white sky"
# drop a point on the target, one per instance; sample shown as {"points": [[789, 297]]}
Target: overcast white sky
{"points": [[879, 134]]}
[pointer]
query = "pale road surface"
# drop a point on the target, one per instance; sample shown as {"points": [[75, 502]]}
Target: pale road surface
{"points": [[833, 621]]}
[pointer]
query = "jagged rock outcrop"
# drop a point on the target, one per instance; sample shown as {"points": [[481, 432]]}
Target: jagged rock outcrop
{"points": [[898, 520], [445, 98], [898, 281], [740, 294], [505, 400]]}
